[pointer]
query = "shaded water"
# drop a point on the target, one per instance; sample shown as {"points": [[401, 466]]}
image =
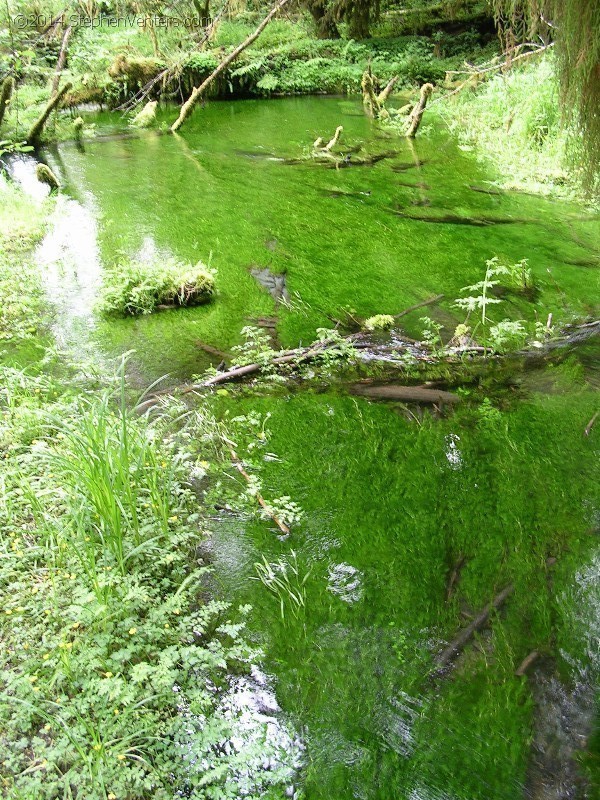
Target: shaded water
{"points": [[390, 506]]}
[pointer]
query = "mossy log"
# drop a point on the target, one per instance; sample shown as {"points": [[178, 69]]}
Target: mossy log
{"points": [[37, 128], [198, 91], [384, 95], [8, 85], [45, 175], [416, 115], [136, 71]]}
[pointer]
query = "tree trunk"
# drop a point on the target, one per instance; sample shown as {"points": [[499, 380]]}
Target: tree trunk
{"points": [[323, 19], [37, 128], [360, 20], [8, 85], [62, 57], [197, 92]]}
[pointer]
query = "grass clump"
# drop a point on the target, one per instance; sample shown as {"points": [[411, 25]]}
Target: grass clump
{"points": [[514, 119], [137, 288]]}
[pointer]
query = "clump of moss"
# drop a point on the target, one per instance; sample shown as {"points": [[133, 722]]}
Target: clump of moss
{"points": [[145, 117], [141, 289], [380, 322], [45, 175], [136, 71]]}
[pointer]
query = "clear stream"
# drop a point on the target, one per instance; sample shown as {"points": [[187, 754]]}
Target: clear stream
{"points": [[391, 505]]}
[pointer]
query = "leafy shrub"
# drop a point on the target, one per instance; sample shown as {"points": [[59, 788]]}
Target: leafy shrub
{"points": [[139, 289], [380, 322]]}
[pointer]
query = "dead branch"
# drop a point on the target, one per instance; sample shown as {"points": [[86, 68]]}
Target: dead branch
{"points": [[62, 57], [429, 302], [590, 425], [197, 92], [454, 576], [384, 95], [458, 643], [526, 663], [335, 139]]}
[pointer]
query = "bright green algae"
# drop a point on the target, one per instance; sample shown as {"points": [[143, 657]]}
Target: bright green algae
{"points": [[382, 495], [219, 188], [401, 503]]}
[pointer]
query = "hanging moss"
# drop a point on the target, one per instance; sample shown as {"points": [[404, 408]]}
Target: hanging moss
{"points": [[45, 175]]}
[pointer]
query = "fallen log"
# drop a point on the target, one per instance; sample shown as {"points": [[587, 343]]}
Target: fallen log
{"points": [[37, 128], [458, 643], [408, 394], [213, 351], [198, 91], [383, 96], [455, 219]]}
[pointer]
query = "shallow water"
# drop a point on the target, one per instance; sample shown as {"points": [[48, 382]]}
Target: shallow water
{"points": [[391, 505]]}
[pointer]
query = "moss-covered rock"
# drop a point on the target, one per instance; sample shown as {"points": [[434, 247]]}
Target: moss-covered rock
{"points": [[146, 116], [45, 175]]}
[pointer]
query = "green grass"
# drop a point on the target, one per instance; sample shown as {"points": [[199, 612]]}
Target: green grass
{"points": [[514, 121]]}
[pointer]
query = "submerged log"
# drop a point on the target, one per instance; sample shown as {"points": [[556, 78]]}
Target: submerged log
{"points": [[424, 303], [458, 643], [454, 219], [407, 394], [526, 663], [197, 92]]}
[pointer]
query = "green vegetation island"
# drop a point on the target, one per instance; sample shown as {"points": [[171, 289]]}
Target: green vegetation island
{"points": [[300, 400]]}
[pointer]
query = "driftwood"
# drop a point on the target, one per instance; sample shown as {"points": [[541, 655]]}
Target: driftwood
{"points": [[62, 57], [38, 126], [416, 115], [458, 643], [8, 85], [526, 663], [407, 394], [198, 91]]}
